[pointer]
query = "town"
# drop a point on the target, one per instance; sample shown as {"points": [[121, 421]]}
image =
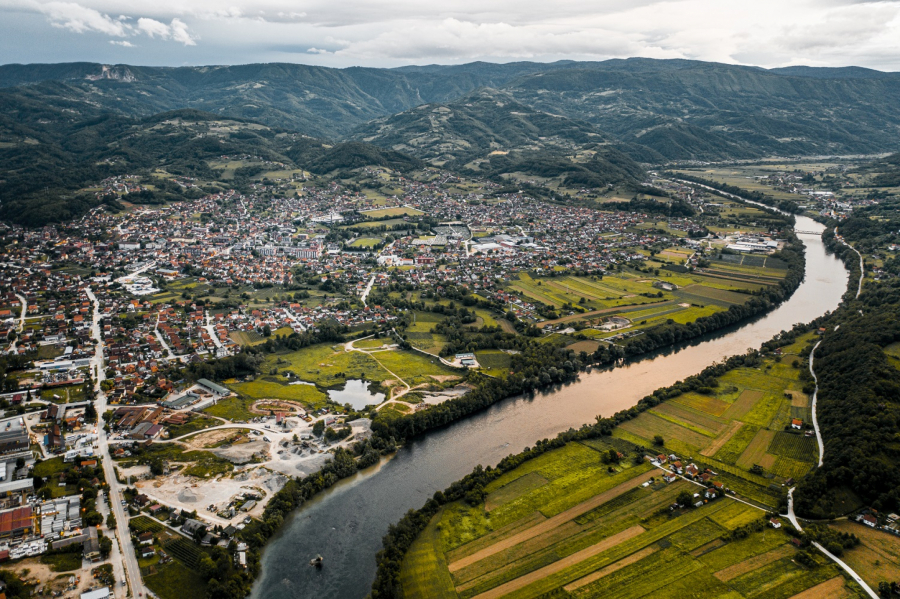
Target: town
{"points": [[122, 453]]}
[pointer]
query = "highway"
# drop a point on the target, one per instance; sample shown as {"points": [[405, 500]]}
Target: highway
{"points": [[132, 571]]}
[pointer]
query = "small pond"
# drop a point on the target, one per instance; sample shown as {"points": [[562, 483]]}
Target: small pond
{"points": [[356, 393]]}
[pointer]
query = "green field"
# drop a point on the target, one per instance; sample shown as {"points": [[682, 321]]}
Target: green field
{"points": [[174, 581], [627, 293], [327, 366], [366, 242], [738, 425], [562, 525], [570, 524], [397, 211]]}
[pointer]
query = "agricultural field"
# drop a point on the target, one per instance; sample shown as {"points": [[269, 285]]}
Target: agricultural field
{"points": [[568, 524], [493, 362], [876, 558], [639, 296], [741, 429]]}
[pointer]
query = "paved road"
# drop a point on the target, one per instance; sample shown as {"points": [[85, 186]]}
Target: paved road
{"points": [[815, 395], [115, 556], [365, 293], [170, 354], [132, 570], [793, 518], [24, 302], [211, 329]]}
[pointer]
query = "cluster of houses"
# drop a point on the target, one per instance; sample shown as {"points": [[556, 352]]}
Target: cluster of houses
{"points": [[675, 469], [874, 519]]}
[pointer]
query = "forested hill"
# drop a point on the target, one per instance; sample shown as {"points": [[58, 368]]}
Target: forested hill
{"points": [[679, 109], [50, 151], [489, 132], [475, 124], [859, 381]]}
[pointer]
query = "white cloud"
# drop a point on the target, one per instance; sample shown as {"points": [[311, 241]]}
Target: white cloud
{"points": [[80, 19], [392, 32], [123, 43], [153, 28], [176, 30]]}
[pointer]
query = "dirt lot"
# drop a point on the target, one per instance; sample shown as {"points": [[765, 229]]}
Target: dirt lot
{"points": [[212, 438], [51, 581], [190, 493]]}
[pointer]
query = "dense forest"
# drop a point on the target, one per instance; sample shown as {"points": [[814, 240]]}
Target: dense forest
{"points": [[859, 386]]}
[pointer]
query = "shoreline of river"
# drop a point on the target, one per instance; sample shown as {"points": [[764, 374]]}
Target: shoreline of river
{"points": [[285, 534]]}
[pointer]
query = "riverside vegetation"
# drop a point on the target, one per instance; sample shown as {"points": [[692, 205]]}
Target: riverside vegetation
{"points": [[475, 538]]}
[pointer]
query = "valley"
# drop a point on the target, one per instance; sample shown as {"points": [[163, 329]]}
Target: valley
{"points": [[484, 330]]}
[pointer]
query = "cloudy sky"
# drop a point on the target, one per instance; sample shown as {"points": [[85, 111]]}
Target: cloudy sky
{"points": [[387, 33]]}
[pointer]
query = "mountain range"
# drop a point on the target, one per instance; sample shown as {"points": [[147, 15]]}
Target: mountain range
{"points": [[675, 109], [64, 126]]}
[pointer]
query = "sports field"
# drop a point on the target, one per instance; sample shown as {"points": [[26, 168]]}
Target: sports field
{"points": [[396, 211]]}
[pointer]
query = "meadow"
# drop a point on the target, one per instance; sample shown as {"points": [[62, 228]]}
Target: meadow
{"points": [[328, 366]]}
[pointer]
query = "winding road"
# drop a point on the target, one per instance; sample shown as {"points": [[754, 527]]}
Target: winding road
{"points": [[815, 396], [793, 518], [24, 302]]}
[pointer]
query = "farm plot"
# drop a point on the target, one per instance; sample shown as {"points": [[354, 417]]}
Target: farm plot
{"points": [[708, 404], [745, 402], [513, 490], [647, 425], [788, 468], [723, 438], [795, 446], [876, 558], [756, 450], [732, 449], [708, 423], [494, 361], [703, 296]]}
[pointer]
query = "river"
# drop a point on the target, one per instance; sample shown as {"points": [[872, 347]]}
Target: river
{"points": [[345, 524]]}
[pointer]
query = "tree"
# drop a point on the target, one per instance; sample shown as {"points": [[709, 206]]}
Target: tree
{"points": [[20, 463], [685, 499], [105, 547], [318, 428], [93, 519], [658, 440]]}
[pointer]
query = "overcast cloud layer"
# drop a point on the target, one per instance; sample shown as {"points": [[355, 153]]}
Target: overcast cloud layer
{"points": [[388, 33]]}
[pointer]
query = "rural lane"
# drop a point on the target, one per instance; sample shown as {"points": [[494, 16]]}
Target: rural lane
{"points": [[793, 518]]}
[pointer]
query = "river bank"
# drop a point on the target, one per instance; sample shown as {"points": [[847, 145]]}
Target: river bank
{"points": [[345, 524]]}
